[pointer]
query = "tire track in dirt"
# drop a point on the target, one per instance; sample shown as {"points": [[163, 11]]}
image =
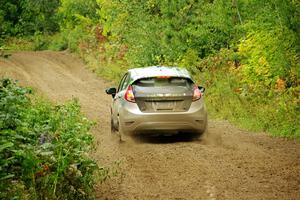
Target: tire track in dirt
{"points": [[230, 164]]}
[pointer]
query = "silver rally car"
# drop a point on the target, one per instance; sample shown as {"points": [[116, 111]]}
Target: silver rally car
{"points": [[158, 100]]}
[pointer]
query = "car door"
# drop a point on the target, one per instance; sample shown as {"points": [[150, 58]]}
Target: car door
{"points": [[118, 99]]}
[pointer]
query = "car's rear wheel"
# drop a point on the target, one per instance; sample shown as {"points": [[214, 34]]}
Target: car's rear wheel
{"points": [[113, 129], [121, 132], [117, 130], [204, 133]]}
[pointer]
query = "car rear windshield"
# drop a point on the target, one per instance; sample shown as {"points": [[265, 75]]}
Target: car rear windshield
{"points": [[163, 81]]}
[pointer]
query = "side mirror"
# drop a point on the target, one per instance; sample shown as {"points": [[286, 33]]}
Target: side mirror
{"points": [[202, 89], [111, 91]]}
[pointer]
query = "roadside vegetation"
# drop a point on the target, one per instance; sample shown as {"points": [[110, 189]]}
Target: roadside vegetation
{"points": [[44, 148], [246, 53]]}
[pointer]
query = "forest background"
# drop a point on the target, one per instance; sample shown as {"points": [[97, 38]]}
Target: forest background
{"points": [[245, 52]]}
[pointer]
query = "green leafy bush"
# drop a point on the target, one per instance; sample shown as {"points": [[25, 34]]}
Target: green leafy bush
{"points": [[229, 97], [43, 148], [168, 29], [77, 20], [25, 17]]}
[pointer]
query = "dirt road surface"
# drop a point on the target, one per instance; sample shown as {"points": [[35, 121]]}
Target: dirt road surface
{"points": [[230, 164]]}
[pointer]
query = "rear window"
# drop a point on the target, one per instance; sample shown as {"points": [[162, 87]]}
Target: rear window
{"points": [[163, 81]]}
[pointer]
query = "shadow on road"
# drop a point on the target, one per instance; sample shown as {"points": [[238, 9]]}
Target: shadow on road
{"points": [[163, 139]]}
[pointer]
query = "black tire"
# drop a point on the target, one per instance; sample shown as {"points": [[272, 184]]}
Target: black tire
{"points": [[122, 134], [113, 129], [204, 133]]}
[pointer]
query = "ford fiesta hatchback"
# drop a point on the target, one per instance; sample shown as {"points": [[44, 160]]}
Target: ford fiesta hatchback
{"points": [[158, 100]]}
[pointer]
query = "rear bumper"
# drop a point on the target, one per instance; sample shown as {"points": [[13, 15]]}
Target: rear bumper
{"points": [[133, 121]]}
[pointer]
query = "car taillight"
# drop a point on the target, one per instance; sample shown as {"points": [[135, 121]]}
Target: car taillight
{"points": [[197, 93], [129, 94]]}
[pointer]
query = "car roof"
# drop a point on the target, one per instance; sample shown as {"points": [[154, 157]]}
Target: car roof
{"points": [[155, 71]]}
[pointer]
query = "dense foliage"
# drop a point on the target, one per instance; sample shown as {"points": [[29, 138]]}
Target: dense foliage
{"points": [[264, 34], [43, 148], [24, 17], [246, 49]]}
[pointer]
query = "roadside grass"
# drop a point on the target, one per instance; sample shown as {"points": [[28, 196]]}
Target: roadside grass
{"points": [[276, 114], [37, 42], [109, 70], [44, 148], [18, 44]]}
